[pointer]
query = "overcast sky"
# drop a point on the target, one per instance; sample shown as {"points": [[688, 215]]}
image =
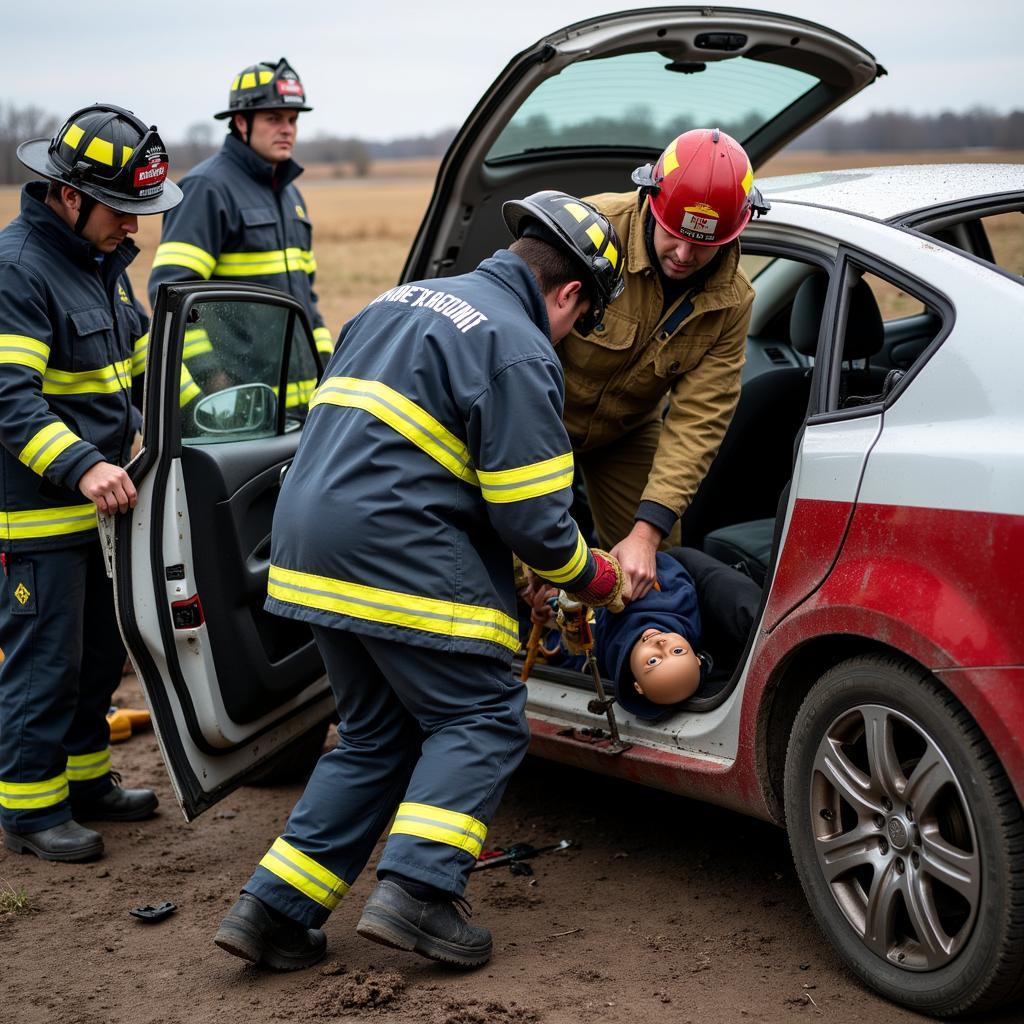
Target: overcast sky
{"points": [[381, 69]]}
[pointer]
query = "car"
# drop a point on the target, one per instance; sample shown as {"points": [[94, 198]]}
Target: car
{"points": [[871, 481]]}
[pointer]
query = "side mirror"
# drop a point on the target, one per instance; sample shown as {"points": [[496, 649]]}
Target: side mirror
{"points": [[245, 409]]}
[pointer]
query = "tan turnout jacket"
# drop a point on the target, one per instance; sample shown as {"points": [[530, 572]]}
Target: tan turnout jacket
{"points": [[617, 378]]}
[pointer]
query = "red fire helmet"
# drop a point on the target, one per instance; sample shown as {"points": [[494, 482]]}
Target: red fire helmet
{"points": [[702, 187]]}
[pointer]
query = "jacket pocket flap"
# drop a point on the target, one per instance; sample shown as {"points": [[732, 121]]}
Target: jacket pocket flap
{"points": [[258, 216], [91, 320], [616, 331]]}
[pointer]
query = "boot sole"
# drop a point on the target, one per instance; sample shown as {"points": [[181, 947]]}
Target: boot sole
{"points": [[236, 938], [393, 930], [22, 844]]}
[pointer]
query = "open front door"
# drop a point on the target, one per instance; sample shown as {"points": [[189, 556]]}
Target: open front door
{"points": [[230, 373]]}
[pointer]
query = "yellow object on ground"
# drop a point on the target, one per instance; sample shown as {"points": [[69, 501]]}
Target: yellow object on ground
{"points": [[123, 721]]}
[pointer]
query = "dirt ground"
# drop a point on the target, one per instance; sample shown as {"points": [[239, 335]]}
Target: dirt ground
{"points": [[664, 910]]}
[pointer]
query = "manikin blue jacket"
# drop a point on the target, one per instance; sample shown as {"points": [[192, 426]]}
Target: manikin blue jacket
{"points": [[673, 609], [243, 220], [433, 450], [68, 322]]}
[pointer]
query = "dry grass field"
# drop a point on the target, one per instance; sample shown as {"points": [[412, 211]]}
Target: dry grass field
{"points": [[363, 227]]}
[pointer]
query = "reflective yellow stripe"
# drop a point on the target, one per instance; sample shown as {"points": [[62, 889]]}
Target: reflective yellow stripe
{"points": [[25, 796], [197, 343], [299, 392], [82, 767], [323, 339], [266, 76], [47, 522], [104, 380], [45, 445], [181, 254], [669, 162], [524, 482], [578, 210], [249, 80], [372, 604], [414, 423], [441, 826], [301, 872], [24, 351], [596, 235], [189, 388], [73, 136], [748, 180], [255, 264], [139, 354], [234, 82], [612, 254], [572, 568], [101, 151]]}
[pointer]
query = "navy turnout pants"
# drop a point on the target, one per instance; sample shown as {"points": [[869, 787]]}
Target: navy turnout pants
{"points": [[435, 736], [62, 662]]}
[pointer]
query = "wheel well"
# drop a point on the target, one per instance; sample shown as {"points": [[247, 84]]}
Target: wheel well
{"points": [[785, 692]]}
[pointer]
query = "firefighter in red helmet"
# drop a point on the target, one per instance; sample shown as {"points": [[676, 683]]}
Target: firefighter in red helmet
{"points": [[678, 332]]}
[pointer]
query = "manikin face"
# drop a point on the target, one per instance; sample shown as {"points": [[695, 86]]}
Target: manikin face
{"points": [[273, 133], [679, 257], [665, 667]]}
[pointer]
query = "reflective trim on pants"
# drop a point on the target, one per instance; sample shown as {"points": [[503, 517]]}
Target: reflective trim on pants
{"points": [[300, 871], [24, 796], [435, 823]]}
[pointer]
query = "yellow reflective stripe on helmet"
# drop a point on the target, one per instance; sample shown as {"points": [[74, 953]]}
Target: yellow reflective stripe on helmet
{"points": [[181, 254], [73, 136], [669, 160], [748, 180], [393, 607], [235, 81], [266, 76], [524, 482], [580, 212], [301, 872], [82, 767], [596, 235], [47, 522], [24, 351], [611, 254], [256, 264], [197, 343], [572, 568], [139, 354], [26, 796], [414, 423], [101, 151], [249, 80], [45, 445], [323, 339], [440, 826], [104, 380], [126, 154]]}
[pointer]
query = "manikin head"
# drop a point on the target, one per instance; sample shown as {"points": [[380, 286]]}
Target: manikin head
{"points": [[665, 667]]}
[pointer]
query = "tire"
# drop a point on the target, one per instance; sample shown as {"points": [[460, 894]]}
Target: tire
{"points": [[294, 762], [916, 877]]}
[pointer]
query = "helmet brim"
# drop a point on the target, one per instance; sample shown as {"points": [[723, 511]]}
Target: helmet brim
{"points": [[225, 114], [34, 154]]}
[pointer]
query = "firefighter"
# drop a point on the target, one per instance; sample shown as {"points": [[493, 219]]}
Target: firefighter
{"points": [[242, 218], [68, 323], [434, 449], [679, 333]]}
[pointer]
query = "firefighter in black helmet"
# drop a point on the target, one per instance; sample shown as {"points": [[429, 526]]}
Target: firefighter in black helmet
{"points": [[68, 324], [434, 448], [242, 218]]}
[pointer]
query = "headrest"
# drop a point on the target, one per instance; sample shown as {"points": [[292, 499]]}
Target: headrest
{"points": [[865, 333]]}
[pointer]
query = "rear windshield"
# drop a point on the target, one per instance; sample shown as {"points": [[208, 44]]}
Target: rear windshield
{"points": [[635, 100]]}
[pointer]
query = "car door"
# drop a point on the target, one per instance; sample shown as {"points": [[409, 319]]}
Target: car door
{"points": [[229, 376], [584, 106]]}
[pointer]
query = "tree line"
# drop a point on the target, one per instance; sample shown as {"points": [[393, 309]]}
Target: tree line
{"points": [[883, 131]]}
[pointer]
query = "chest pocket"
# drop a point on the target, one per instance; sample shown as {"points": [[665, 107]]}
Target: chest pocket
{"points": [[590, 361], [92, 338], [302, 229], [260, 227]]}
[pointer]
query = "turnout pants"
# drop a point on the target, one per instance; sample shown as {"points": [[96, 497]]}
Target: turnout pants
{"points": [[62, 662], [435, 736]]}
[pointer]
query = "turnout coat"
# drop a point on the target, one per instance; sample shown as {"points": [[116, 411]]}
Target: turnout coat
{"points": [[433, 450]]}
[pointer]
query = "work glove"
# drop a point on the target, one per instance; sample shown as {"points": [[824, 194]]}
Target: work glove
{"points": [[608, 587]]}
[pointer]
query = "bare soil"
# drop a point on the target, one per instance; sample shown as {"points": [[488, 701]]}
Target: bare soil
{"points": [[664, 910]]}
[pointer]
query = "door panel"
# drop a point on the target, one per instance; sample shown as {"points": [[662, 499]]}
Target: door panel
{"points": [[228, 684]]}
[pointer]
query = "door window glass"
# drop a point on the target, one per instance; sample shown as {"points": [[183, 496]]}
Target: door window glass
{"points": [[893, 301], [1006, 236], [231, 374], [642, 100]]}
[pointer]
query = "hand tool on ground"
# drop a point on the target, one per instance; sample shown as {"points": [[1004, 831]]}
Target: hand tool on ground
{"points": [[515, 853]]}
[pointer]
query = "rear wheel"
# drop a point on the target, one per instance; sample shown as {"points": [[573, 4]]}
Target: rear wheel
{"points": [[908, 838]]}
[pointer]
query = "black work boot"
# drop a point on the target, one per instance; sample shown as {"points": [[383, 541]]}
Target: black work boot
{"points": [[432, 928], [257, 932], [117, 805], [67, 841]]}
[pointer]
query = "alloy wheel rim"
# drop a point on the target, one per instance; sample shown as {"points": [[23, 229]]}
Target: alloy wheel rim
{"points": [[894, 837]]}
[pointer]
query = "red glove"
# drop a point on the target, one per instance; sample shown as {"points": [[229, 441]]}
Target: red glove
{"points": [[605, 589]]}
